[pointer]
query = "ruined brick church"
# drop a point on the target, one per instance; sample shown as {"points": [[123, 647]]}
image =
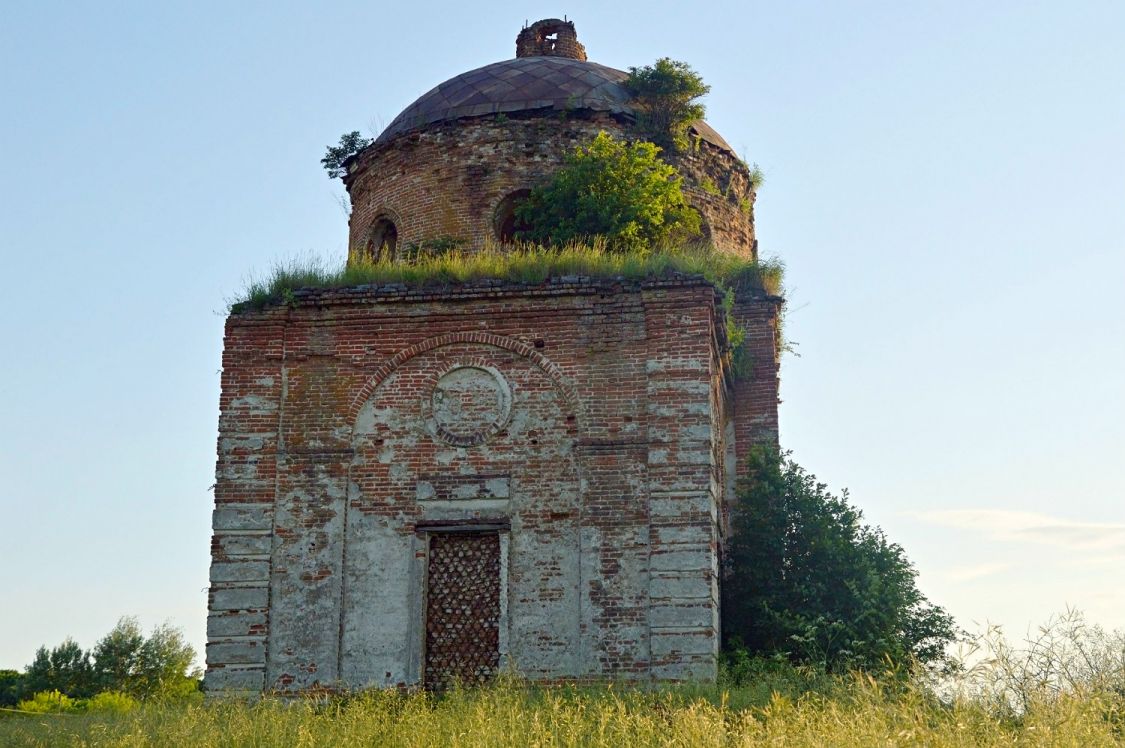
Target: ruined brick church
{"points": [[421, 482]]}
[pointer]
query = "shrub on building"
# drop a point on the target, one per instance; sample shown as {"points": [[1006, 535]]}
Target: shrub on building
{"points": [[613, 189], [666, 97], [350, 144]]}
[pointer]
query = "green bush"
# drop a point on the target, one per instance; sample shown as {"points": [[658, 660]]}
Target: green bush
{"points": [[620, 191], [665, 97], [351, 143], [758, 677], [11, 686], [111, 702], [66, 668], [810, 581], [48, 702]]}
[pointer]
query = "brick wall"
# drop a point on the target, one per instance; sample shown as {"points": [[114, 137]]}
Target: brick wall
{"points": [[586, 419], [756, 393]]}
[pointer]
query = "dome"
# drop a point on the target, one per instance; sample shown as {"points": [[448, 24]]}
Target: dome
{"points": [[526, 83], [451, 168]]}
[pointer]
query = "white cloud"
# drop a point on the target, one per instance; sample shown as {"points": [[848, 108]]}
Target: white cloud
{"points": [[1030, 527]]}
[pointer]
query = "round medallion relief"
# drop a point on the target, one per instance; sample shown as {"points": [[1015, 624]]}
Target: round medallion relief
{"points": [[469, 404]]}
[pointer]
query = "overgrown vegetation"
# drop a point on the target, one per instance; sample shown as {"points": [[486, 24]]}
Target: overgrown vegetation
{"points": [[708, 185], [620, 191], [10, 683], [666, 97], [757, 176], [1064, 657], [441, 245], [521, 263], [351, 143], [758, 702], [810, 582]]}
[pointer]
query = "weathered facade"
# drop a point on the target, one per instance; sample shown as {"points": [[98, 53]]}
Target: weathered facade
{"points": [[421, 483]]}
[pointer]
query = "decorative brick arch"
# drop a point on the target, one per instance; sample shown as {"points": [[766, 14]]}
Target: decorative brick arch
{"points": [[548, 367]]}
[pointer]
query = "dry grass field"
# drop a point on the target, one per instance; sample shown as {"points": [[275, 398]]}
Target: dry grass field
{"points": [[855, 711]]}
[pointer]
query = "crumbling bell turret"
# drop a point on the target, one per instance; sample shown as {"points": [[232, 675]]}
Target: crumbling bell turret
{"points": [[550, 37]]}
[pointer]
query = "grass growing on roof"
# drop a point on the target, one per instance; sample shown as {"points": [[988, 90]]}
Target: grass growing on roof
{"points": [[527, 263]]}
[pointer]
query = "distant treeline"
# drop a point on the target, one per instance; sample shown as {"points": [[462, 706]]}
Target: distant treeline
{"points": [[124, 661]]}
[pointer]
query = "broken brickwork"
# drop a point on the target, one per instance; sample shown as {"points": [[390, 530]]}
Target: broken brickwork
{"points": [[550, 37]]}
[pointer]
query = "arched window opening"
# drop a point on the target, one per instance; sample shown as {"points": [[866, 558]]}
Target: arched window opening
{"points": [[505, 222], [382, 240]]}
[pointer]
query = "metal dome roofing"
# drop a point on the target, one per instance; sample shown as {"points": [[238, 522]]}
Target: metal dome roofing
{"points": [[526, 83]]}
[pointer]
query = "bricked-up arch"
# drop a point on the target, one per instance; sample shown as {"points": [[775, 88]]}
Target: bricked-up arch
{"points": [[548, 367]]}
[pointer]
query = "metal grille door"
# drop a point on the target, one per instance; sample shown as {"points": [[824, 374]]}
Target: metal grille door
{"points": [[462, 608]]}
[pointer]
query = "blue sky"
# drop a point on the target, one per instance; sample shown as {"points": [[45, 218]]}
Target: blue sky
{"points": [[945, 182]]}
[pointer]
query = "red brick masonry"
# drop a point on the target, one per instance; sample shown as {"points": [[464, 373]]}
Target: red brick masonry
{"points": [[592, 423]]}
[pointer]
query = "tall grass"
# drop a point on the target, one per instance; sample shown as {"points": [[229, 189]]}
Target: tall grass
{"points": [[857, 711], [528, 264], [1063, 686], [1067, 657]]}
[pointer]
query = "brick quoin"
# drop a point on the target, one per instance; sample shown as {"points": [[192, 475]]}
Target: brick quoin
{"points": [[587, 428]]}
